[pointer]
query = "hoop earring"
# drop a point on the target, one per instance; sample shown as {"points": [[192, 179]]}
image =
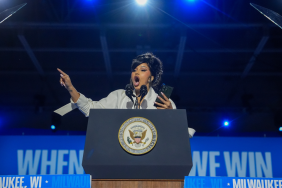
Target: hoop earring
{"points": [[150, 82]]}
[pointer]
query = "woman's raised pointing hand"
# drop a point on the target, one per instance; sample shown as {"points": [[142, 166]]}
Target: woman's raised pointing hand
{"points": [[65, 80]]}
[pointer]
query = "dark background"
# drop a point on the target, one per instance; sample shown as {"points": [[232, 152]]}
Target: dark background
{"points": [[222, 57]]}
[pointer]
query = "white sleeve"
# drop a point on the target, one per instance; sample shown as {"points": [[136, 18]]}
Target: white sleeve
{"points": [[173, 105], [85, 104]]}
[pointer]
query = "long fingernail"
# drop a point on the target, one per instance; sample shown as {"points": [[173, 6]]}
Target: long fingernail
{"points": [[62, 75], [64, 84]]}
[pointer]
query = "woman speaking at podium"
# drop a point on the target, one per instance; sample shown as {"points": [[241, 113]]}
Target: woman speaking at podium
{"points": [[146, 70]]}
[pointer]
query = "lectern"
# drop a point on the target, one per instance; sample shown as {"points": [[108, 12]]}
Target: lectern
{"points": [[130, 145]]}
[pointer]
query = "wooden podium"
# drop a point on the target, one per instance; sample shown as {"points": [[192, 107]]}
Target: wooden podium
{"points": [[137, 183]]}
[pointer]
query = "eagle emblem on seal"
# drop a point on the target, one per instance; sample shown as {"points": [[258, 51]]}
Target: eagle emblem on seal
{"points": [[137, 134]]}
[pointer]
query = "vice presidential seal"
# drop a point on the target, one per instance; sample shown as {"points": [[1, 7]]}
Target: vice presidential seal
{"points": [[137, 135]]}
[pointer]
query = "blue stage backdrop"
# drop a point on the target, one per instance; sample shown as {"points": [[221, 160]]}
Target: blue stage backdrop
{"points": [[212, 156]]}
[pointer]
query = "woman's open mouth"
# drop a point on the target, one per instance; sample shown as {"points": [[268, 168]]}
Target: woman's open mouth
{"points": [[136, 81]]}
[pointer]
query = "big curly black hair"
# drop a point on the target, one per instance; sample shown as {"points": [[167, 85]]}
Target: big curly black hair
{"points": [[155, 65]]}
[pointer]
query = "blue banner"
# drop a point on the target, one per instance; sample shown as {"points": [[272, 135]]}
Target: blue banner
{"points": [[236, 157], [225, 182], [46, 181], [212, 156], [31, 155]]}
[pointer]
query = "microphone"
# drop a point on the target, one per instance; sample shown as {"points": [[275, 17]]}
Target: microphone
{"points": [[143, 91], [129, 91]]}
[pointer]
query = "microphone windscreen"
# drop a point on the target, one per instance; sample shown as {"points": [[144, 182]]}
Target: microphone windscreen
{"points": [[143, 90], [129, 91], [128, 87]]}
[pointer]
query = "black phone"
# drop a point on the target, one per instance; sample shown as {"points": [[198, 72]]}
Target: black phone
{"points": [[167, 90]]}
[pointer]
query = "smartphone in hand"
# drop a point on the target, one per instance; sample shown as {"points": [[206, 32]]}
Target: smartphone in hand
{"points": [[166, 90]]}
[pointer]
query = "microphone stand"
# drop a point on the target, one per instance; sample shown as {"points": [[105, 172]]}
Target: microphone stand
{"points": [[143, 92], [136, 103]]}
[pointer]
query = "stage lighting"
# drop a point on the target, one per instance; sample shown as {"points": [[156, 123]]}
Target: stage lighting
{"points": [[55, 121], [141, 2], [280, 129], [226, 123], [190, 1]]}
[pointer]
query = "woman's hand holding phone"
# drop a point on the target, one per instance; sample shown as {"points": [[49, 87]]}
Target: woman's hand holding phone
{"points": [[166, 102]]}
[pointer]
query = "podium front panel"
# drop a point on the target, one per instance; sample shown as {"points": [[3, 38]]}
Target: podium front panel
{"points": [[104, 158]]}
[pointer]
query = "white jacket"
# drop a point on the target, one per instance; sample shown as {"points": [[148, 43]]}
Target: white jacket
{"points": [[115, 100]]}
